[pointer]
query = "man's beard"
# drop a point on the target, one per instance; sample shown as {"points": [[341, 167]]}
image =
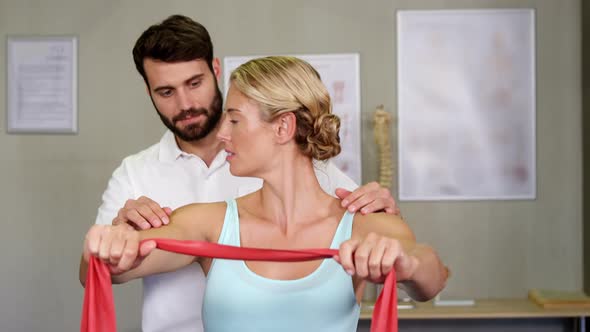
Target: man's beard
{"points": [[195, 131]]}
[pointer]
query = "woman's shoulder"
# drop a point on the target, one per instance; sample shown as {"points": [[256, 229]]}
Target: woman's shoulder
{"points": [[204, 219], [209, 209]]}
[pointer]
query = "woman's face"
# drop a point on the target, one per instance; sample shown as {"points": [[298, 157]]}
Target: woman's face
{"points": [[248, 139]]}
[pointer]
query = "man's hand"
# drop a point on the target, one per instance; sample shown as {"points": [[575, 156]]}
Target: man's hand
{"points": [[368, 199], [143, 213]]}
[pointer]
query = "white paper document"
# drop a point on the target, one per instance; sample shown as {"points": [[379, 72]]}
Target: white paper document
{"points": [[41, 84], [466, 93]]}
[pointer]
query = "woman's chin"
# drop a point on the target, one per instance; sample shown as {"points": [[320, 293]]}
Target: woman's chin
{"points": [[236, 171]]}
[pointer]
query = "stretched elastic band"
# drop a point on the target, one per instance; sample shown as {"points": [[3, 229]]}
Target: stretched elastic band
{"points": [[98, 313]]}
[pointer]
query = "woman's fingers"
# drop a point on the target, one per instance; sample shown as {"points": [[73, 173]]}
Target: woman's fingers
{"points": [[392, 252], [384, 254], [129, 254], [372, 258], [92, 241], [375, 260], [118, 246], [345, 255], [118, 242], [104, 250]]}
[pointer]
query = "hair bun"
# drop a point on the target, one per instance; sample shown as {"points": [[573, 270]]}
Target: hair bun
{"points": [[324, 141]]}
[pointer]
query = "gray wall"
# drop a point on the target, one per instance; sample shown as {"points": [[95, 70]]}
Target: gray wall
{"points": [[50, 185]]}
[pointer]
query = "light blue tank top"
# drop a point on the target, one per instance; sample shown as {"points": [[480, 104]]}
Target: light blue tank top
{"points": [[237, 299]]}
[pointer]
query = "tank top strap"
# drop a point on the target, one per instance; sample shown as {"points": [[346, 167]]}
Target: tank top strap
{"points": [[344, 230], [230, 232]]}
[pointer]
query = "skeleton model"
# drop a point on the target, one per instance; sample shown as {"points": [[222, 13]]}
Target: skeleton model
{"points": [[382, 129]]}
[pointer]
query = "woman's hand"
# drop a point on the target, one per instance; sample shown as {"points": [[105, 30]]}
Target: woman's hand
{"points": [[118, 246], [373, 257]]}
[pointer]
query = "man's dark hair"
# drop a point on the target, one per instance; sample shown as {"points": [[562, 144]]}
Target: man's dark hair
{"points": [[177, 39]]}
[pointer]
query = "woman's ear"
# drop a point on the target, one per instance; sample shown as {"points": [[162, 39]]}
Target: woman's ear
{"points": [[285, 127]]}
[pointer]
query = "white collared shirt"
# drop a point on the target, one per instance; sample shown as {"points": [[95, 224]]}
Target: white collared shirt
{"points": [[173, 178]]}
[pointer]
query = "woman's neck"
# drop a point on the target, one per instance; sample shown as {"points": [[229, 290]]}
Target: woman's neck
{"points": [[291, 192]]}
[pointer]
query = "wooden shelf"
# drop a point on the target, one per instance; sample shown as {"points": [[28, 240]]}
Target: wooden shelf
{"points": [[507, 308]]}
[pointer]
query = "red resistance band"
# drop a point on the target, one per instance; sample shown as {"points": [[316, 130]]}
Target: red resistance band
{"points": [[98, 313]]}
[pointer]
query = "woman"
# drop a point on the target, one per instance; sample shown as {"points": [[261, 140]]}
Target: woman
{"points": [[278, 118]]}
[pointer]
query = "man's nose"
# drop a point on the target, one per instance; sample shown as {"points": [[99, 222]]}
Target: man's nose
{"points": [[184, 100]]}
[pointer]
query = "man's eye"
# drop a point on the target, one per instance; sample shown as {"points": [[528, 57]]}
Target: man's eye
{"points": [[195, 84], [233, 121], [166, 93]]}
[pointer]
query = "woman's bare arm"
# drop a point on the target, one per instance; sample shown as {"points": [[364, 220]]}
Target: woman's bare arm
{"points": [[380, 236], [119, 246]]}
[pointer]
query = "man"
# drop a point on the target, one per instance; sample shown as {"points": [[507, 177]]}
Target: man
{"points": [[175, 59]]}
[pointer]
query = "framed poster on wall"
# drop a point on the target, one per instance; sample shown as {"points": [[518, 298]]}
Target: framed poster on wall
{"points": [[42, 87], [466, 104]]}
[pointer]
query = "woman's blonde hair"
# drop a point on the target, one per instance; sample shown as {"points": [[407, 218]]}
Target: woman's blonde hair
{"points": [[281, 84]]}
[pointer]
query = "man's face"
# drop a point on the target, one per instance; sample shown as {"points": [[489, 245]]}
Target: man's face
{"points": [[186, 96]]}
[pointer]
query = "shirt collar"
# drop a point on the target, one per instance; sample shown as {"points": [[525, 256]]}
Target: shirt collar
{"points": [[219, 161], [170, 152]]}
